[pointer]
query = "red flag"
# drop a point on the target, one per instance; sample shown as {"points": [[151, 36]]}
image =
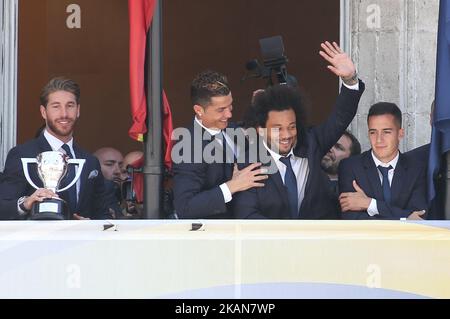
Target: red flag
{"points": [[167, 132], [140, 16]]}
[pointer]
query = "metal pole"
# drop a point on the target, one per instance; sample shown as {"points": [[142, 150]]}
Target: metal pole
{"points": [[9, 10], [153, 142]]}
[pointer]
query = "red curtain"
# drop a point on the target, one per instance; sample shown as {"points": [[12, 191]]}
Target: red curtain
{"points": [[140, 17]]}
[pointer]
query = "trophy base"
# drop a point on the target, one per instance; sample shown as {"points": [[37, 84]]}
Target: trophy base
{"points": [[50, 209]]}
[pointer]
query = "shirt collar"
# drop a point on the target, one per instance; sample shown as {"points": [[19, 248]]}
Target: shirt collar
{"points": [[392, 163], [276, 156], [56, 143], [210, 131]]}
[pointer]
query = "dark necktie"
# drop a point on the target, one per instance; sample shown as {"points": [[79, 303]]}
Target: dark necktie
{"points": [[72, 191], [291, 184], [386, 187]]}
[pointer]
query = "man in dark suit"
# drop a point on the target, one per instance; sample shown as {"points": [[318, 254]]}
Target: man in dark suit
{"points": [[298, 188], [60, 108], [436, 207], [204, 180], [114, 174], [348, 145], [383, 183]]}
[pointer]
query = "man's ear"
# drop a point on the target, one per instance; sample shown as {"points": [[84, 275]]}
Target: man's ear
{"points": [[199, 110], [43, 112], [78, 113], [401, 133]]}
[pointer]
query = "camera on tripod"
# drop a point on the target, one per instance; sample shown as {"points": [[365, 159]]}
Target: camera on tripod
{"points": [[128, 191], [274, 63], [131, 202]]}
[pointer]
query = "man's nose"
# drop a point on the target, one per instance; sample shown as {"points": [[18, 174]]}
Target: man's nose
{"points": [[117, 171], [379, 138], [228, 113], [63, 112], [285, 134]]}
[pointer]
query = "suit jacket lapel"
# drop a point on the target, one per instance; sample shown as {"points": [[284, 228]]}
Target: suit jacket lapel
{"points": [[304, 151], [372, 175], [207, 139], [84, 174], [43, 146], [400, 174], [43, 143], [275, 177]]}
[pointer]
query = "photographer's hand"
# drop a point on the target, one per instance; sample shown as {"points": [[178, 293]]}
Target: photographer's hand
{"points": [[341, 64]]}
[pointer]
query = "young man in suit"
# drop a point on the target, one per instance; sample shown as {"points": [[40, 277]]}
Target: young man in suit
{"points": [[298, 188], [60, 108], [436, 207], [204, 185], [382, 183]]}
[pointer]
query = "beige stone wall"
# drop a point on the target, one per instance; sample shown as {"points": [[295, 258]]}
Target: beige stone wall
{"points": [[394, 45]]}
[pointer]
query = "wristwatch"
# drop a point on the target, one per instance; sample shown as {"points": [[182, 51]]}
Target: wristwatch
{"points": [[352, 80], [21, 204]]}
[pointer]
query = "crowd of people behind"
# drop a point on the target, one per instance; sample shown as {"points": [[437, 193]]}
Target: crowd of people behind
{"points": [[273, 166]]}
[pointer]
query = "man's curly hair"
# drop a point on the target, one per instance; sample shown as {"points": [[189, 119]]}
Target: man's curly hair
{"points": [[279, 97]]}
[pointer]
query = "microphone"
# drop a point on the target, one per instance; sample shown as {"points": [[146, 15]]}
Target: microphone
{"points": [[252, 65]]}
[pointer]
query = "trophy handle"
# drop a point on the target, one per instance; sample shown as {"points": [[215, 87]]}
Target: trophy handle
{"points": [[25, 162], [80, 163]]}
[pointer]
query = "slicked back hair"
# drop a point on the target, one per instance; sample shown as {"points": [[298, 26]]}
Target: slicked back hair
{"points": [[60, 84]]}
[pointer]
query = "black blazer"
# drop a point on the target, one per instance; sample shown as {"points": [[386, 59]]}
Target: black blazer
{"points": [[271, 201], [92, 201], [436, 208], [196, 185], [408, 185]]}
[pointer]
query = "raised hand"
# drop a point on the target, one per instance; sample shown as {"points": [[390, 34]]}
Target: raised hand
{"points": [[340, 62]]}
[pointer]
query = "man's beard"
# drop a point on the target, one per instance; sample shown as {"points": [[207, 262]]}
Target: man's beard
{"points": [[331, 168], [56, 130]]}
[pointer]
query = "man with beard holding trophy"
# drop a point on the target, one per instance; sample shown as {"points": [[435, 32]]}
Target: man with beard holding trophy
{"points": [[54, 188]]}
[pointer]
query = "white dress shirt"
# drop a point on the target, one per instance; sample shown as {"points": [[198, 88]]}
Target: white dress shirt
{"points": [[352, 87], [227, 196], [300, 167], [372, 210]]}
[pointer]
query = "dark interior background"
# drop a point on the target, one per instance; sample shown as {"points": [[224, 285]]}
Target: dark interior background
{"points": [[199, 34]]}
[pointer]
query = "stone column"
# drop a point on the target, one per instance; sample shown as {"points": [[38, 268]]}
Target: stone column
{"points": [[393, 43], [8, 76]]}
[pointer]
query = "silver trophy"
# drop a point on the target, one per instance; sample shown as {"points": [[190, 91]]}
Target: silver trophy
{"points": [[52, 167]]}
